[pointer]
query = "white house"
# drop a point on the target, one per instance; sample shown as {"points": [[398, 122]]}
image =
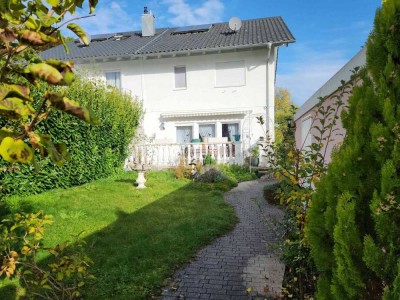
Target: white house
{"points": [[204, 83]]}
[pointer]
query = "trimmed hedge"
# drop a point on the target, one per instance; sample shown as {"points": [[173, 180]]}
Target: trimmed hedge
{"points": [[96, 151]]}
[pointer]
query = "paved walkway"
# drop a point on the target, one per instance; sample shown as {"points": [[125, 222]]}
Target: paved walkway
{"points": [[238, 265]]}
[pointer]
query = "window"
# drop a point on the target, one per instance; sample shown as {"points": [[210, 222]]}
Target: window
{"points": [[231, 73], [305, 132], [180, 77], [183, 134], [207, 130], [230, 130], [113, 79]]}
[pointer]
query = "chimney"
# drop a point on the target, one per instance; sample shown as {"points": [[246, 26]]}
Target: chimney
{"points": [[148, 23]]}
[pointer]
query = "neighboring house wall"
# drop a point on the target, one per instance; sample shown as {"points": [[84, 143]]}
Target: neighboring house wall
{"points": [[306, 131], [307, 115], [202, 101]]}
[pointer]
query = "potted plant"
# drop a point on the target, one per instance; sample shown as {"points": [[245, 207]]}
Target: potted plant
{"points": [[255, 156]]}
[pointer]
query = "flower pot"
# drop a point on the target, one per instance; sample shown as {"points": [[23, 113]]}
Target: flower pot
{"points": [[255, 161], [236, 137]]}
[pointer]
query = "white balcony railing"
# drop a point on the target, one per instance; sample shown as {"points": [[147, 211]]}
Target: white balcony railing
{"points": [[170, 155]]}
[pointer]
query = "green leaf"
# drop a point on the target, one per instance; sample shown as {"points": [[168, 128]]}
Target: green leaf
{"points": [[15, 151], [72, 107], [79, 3], [60, 276], [5, 133], [62, 149], [32, 23], [62, 39], [53, 2], [4, 5], [45, 72], [57, 153], [36, 38], [65, 69], [92, 5], [75, 28], [47, 287], [45, 19], [15, 90], [14, 107]]}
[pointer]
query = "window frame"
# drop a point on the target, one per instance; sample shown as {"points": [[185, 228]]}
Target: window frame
{"points": [[183, 125], [214, 124], [238, 123], [120, 78], [307, 140], [175, 78]]}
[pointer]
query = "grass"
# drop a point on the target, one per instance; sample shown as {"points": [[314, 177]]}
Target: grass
{"points": [[137, 238]]}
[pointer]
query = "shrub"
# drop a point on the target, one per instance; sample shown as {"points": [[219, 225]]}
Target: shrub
{"points": [[353, 223], [95, 151], [298, 171], [237, 172], [270, 195], [211, 175], [217, 179], [28, 27], [182, 170], [209, 160]]}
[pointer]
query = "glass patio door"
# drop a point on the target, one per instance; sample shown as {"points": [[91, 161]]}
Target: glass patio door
{"points": [[229, 130], [184, 134], [207, 130]]}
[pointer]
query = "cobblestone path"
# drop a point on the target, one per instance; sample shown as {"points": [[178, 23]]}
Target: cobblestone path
{"points": [[238, 265]]}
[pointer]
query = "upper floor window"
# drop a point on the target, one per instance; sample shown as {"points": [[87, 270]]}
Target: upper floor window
{"points": [[113, 79], [230, 73], [180, 77]]}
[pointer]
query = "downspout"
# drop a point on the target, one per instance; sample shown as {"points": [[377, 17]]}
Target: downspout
{"points": [[267, 89], [269, 44]]}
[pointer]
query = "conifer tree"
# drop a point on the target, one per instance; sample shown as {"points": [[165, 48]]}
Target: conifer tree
{"points": [[354, 223]]}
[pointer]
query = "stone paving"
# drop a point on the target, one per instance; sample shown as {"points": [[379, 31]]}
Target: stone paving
{"points": [[238, 265]]}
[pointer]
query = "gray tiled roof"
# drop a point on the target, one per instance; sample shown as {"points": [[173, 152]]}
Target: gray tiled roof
{"points": [[257, 32]]}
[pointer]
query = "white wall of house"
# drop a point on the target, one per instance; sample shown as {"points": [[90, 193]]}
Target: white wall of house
{"points": [[202, 101]]}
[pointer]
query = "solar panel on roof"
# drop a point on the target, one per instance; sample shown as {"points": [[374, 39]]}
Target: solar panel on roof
{"points": [[102, 37], [195, 28]]}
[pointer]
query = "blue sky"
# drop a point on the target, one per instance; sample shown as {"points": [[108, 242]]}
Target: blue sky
{"points": [[328, 32]]}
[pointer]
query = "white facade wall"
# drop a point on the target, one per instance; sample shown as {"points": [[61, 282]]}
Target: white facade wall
{"points": [[152, 80]]}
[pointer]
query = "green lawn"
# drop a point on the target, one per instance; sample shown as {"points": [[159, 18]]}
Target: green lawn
{"points": [[137, 238]]}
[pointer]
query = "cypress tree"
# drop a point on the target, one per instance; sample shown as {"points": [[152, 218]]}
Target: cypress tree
{"points": [[354, 223]]}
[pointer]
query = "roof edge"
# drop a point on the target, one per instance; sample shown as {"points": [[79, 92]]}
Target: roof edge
{"points": [[185, 52]]}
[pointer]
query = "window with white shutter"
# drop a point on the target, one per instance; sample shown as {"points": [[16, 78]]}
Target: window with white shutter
{"points": [[230, 73], [180, 77]]}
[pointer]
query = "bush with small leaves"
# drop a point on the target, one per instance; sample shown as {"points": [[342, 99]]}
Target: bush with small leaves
{"points": [[64, 273], [28, 26], [353, 223]]}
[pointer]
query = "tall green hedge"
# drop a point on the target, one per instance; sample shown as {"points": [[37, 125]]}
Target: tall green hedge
{"points": [[96, 150], [353, 223]]}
